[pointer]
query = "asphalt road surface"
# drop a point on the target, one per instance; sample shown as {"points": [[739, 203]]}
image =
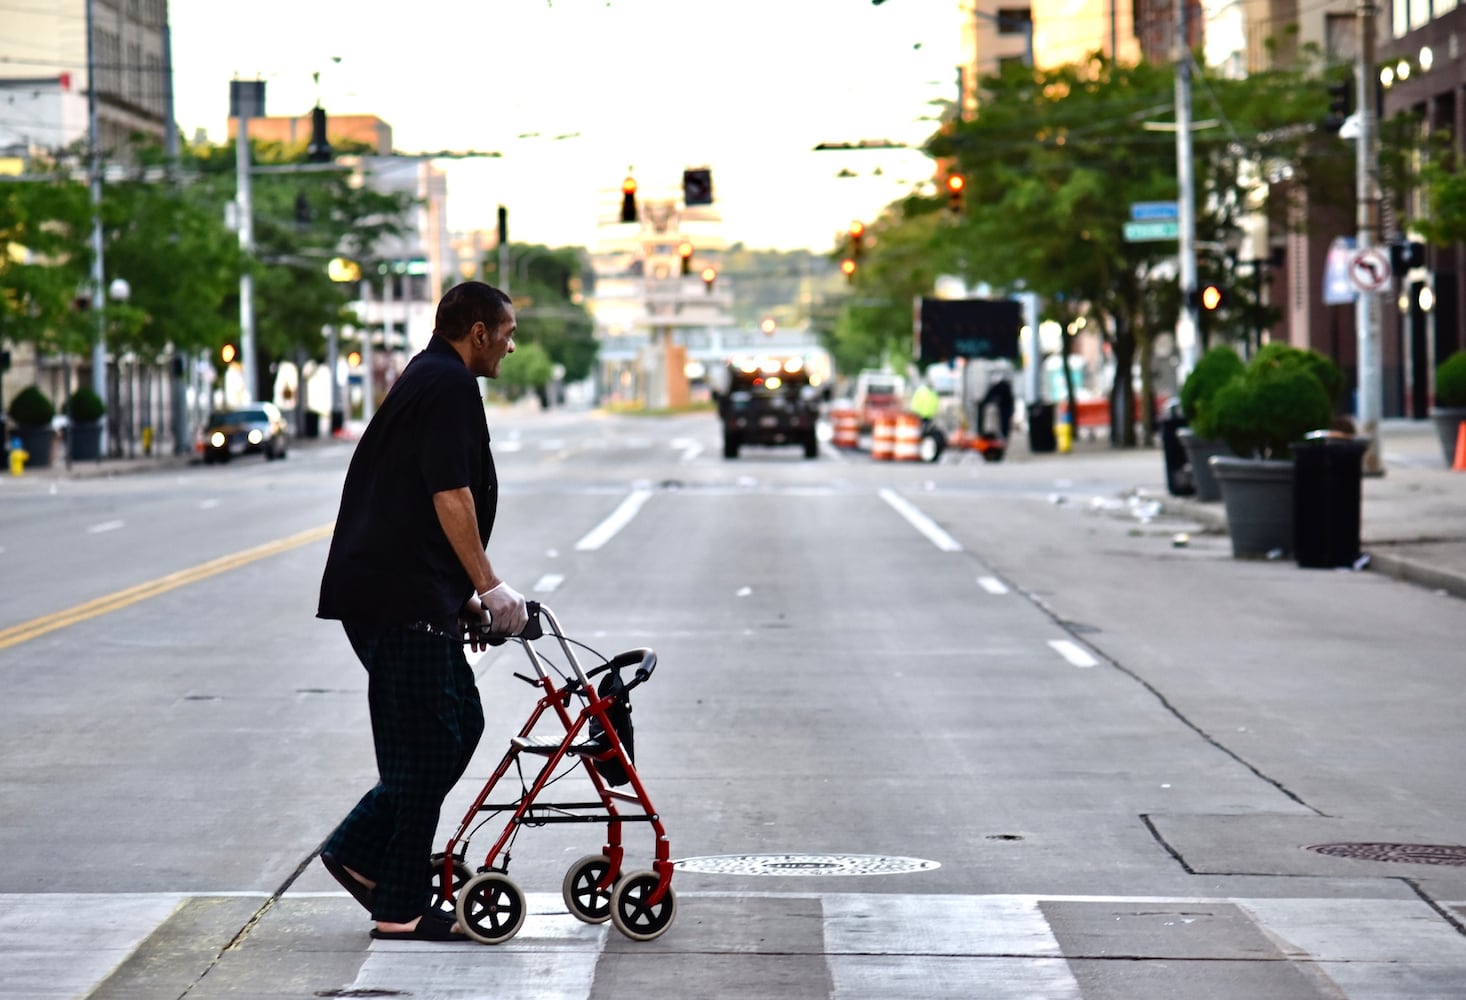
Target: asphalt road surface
{"points": [[917, 731]]}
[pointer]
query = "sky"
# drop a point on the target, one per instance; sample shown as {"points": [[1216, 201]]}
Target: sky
{"points": [[572, 93]]}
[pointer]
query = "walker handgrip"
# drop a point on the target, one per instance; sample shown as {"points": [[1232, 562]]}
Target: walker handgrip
{"points": [[532, 629]]}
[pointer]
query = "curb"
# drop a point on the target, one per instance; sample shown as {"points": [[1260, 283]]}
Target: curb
{"points": [[1384, 562]]}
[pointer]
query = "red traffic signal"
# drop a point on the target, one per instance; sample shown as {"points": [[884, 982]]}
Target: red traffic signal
{"points": [[708, 277], [955, 185], [857, 239], [685, 252], [628, 200], [847, 267]]}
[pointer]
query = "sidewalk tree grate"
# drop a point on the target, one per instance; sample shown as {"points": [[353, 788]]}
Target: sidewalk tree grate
{"points": [[805, 864], [1415, 854]]}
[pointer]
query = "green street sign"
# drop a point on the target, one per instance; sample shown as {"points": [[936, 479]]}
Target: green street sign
{"points": [[1140, 232]]}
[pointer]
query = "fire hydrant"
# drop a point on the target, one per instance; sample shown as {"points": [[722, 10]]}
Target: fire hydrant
{"points": [[18, 457]]}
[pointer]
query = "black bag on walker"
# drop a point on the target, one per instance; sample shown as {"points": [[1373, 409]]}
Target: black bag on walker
{"points": [[619, 716]]}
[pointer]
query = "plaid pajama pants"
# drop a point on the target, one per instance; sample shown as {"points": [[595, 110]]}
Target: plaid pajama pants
{"points": [[426, 722]]}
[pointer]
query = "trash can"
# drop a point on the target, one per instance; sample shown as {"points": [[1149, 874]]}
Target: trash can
{"points": [[1180, 480], [1041, 437], [1328, 469]]}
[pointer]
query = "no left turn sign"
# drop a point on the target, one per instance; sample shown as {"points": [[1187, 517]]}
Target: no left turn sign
{"points": [[1369, 269]]}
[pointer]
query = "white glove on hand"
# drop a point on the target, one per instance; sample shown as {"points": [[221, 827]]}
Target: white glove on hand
{"points": [[505, 609]]}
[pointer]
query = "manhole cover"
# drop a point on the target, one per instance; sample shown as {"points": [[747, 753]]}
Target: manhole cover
{"points": [[805, 864], [1415, 854]]}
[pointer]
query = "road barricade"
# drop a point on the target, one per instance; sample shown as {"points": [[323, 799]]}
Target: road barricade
{"points": [[883, 439], [846, 422], [906, 442]]}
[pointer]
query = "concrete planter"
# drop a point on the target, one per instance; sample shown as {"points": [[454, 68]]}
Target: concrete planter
{"points": [[1199, 452], [1258, 496], [37, 441], [86, 440], [1448, 420]]}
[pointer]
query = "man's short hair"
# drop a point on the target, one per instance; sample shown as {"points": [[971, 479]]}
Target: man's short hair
{"points": [[471, 302]]}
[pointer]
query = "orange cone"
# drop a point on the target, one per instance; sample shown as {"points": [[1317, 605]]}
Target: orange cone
{"points": [[1460, 464]]}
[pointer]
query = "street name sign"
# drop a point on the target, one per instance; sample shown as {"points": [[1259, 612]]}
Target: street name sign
{"points": [[1153, 211], [1140, 232]]}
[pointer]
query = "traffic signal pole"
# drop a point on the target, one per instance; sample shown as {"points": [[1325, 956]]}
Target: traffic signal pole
{"points": [[1369, 383], [1186, 322]]}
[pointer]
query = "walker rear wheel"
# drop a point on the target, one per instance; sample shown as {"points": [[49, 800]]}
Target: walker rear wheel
{"points": [[461, 874], [586, 902], [633, 915], [490, 908]]}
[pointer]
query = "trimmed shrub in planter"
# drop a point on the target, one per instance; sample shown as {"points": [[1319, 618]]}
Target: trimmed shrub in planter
{"points": [[32, 413], [84, 436], [1450, 403], [1283, 394], [1213, 370]]}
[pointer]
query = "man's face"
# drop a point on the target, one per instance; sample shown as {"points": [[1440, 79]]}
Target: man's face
{"points": [[491, 347]]}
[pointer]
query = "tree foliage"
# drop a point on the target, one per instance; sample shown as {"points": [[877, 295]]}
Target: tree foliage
{"points": [[547, 288]]}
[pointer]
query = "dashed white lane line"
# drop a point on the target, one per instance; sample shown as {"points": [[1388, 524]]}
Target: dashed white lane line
{"points": [[920, 521], [620, 518], [992, 585], [1073, 652], [549, 582], [98, 529]]}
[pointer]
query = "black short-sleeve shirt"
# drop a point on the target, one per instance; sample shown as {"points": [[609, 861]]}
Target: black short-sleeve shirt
{"points": [[390, 562]]}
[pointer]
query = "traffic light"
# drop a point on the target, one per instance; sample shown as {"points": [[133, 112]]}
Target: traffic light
{"points": [[503, 226], [685, 252], [319, 150], [1212, 298], [1405, 256], [697, 186], [708, 277], [628, 200], [228, 353], [955, 184], [847, 267], [1340, 103], [857, 239]]}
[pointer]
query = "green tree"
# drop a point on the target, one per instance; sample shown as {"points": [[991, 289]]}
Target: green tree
{"points": [[529, 368], [547, 288], [45, 264]]}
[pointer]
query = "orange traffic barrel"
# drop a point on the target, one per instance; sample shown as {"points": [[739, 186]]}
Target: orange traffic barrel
{"points": [[907, 441], [883, 439], [846, 423]]}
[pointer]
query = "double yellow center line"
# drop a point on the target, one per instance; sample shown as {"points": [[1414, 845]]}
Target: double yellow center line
{"points": [[37, 627]]}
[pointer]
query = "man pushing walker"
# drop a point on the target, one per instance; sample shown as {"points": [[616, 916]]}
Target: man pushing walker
{"points": [[407, 566]]}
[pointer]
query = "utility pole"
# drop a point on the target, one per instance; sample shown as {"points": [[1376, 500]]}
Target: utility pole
{"points": [[99, 271], [247, 98], [1367, 319], [1186, 322]]}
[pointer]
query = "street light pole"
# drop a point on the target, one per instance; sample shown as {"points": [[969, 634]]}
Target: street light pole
{"points": [[1367, 318], [1186, 321], [99, 349], [247, 96]]}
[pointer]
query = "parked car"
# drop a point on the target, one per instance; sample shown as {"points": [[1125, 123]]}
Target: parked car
{"points": [[252, 428]]}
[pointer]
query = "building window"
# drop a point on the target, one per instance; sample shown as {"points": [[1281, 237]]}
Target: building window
{"points": [[1341, 37], [1014, 20], [1400, 17]]}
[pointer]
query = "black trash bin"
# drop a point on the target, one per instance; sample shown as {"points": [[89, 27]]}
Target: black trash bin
{"points": [[1179, 478], [1328, 469], [1041, 437]]}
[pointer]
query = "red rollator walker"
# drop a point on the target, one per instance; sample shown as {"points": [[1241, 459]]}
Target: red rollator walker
{"points": [[576, 726]]}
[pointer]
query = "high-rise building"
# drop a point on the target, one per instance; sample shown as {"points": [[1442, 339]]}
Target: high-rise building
{"points": [[49, 70]]}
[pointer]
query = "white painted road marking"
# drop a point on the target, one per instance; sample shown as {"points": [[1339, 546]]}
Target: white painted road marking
{"points": [[1073, 652], [920, 521], [548, 582], [992, 585], [620, 518], [97, 529]]}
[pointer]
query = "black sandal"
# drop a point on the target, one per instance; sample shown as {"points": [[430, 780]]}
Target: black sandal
{"points": [[431, 926]]}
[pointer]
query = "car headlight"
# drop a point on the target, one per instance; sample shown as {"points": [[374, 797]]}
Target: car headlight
{"points": [[255, 437], [216, 439]]}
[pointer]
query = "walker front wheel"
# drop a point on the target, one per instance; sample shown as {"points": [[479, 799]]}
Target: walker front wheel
{"points": [[633, 915], [490, 908], [586, 902]]}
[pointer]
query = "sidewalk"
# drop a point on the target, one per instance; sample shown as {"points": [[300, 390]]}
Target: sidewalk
{"points": [[1413, 522]]}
